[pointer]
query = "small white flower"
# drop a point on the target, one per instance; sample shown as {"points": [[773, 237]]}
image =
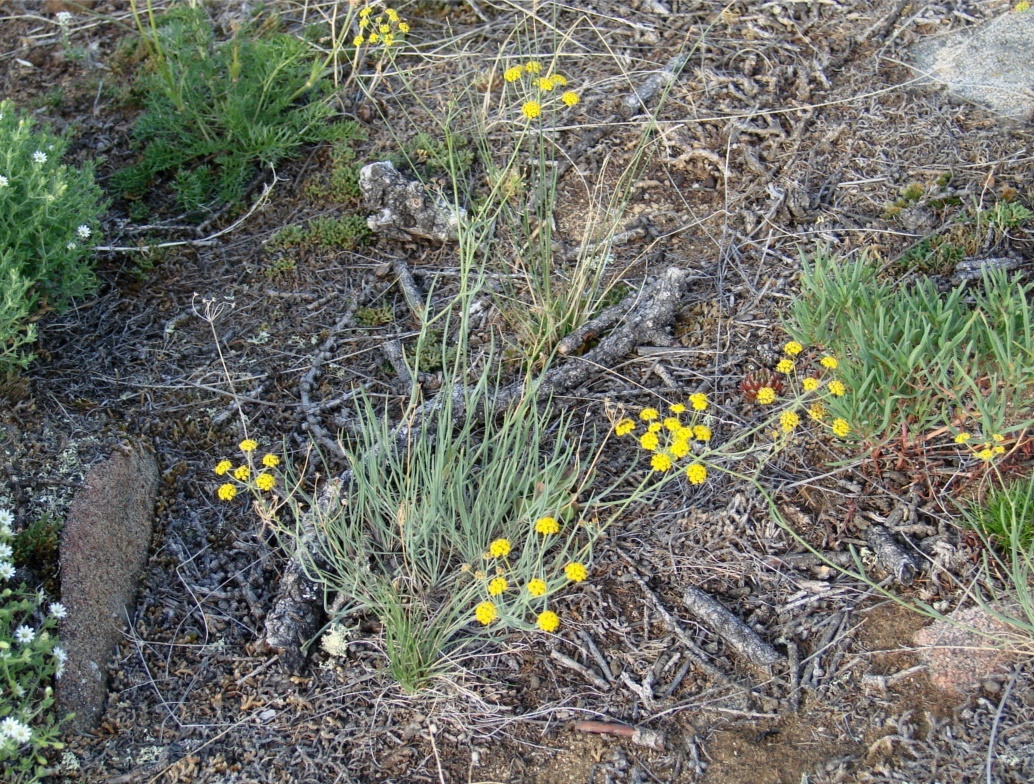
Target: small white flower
{"points": [[83, 232], [71, 246], [63, 18], [62, 657], [6, 518], [58, 610], [15, 730], [5, 551], [3, 181], [39, 157], [24, 635], [6, 570]]}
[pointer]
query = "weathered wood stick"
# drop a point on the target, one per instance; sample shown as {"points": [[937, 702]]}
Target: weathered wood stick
{"points": [[726, 625]]}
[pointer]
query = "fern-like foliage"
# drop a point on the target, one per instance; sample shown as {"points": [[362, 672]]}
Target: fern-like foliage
{"points": [[217, 110]]}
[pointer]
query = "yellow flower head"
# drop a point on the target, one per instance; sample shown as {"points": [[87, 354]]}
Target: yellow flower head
{"points": [[624, 427], [1021, 6], [696, 474], [672, 424], [374, 38], [558, 80], [649, 442], [810, 384], [998, 438], [358, 41], [837, 388], [679, 448], [533, 67], [998, 450], [701, 432], [649, 414], [547, 526], [265, 482], [403, 28], [485, 613], [784, 366], [537, 587], [766, 395], [500, 548], [575, 572], [513, 74], [841, 428], [793, 348], [388, 39], [788, 421], [497, 585], [548, 621], [544, 83], [242, 473], [365, 12], [817, 412], [962, 438], [270, 461], [654, 427], [531, 109], [392, 15], [248, 445], [660, 462], [383, 29], [677, 408], [569, 98], [985, 454], [227, 492], [699, 401], [829, 363], [222, 467]]}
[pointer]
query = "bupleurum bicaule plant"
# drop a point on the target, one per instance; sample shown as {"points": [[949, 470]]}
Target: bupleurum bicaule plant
{"points": [[30, 658], [476, 526], [49, 223]]}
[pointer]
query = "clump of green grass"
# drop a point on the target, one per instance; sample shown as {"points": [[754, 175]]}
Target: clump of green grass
{"points": [[1006, 516], [916, 361]]}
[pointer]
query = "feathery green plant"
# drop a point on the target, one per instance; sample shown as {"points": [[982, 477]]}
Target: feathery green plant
{"points": [[215, 111]]}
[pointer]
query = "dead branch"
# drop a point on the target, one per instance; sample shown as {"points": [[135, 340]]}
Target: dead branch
{"points": [[890, 555], [414, 297], [586, 672], [652, 739], [735, 632]]}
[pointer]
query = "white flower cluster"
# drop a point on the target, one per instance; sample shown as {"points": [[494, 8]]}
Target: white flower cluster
{"points": [[15, 730], [6, 567]]}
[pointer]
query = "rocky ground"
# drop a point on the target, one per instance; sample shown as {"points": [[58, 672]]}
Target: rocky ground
{"points": [[791, 126]]}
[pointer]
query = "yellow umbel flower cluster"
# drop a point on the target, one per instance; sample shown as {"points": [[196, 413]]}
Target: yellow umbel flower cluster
{"points": [[385, 29], [670, 439], [244, 474], [540, 91], [800, 377], [513, 598], [985, 449]]}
